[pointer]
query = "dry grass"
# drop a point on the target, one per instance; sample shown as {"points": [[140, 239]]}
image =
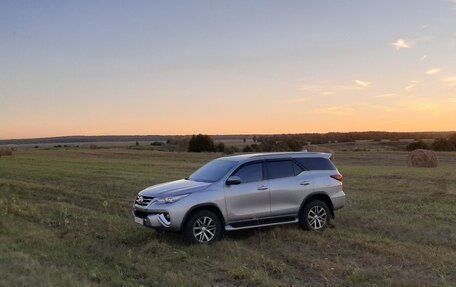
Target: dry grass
{"points": [[65, 220]]}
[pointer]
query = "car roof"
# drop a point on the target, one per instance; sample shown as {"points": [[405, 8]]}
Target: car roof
{"points": [[275, 155]]}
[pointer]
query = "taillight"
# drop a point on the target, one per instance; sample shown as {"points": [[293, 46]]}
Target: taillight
{"points": [[338, 177]]}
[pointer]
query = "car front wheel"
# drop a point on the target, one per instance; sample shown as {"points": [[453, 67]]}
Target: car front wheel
{"points": [[203, 227], [315, 215]]}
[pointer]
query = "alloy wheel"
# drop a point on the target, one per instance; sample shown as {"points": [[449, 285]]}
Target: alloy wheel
{"points": [[317, 217], [204, 229]]}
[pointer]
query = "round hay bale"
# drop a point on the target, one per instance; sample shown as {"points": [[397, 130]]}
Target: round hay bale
{"points": [[315, 148], [6, 151], [422, 158]]}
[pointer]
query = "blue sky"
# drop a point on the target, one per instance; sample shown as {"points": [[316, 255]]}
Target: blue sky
{"points": [[149, 67]]}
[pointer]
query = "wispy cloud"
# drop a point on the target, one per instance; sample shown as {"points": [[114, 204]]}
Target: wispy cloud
{"points": [[409, 43], [433, 71], [401, 44], [299, 100], [363, 84], [388, 95], [454, 5], [319, 89], [411, 86], [336, 110], [420, 104], [451, 81]]}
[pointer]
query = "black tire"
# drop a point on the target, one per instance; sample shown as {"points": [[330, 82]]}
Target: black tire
{"points": [[315, 215], [203, 227]]}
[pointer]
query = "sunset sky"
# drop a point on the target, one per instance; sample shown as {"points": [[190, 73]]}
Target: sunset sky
{"points": [[183, 67]]}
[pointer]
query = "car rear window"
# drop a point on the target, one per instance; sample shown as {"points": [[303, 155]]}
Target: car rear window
{"points": [[316, 163]]}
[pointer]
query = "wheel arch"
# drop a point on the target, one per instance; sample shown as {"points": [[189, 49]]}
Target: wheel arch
{"points": [[318, 196], [204, 206]]}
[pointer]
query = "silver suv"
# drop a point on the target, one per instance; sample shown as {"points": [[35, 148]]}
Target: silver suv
{"points": [[245, 191]]}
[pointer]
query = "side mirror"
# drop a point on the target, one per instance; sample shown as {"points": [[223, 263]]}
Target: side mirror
{"points": [[232, 180]]}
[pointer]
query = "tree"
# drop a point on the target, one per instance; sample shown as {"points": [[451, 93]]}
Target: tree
{"points": [[452, 140], [254, 139], [220, 147], [201, 143], [417, 145], [442, 144], [247, 148]]}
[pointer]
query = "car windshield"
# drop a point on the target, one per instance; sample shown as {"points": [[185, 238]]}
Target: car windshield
{"points": [[212, 171]]}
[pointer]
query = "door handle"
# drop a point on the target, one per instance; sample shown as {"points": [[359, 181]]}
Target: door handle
{"points": [[305, 183], [262, 188]]}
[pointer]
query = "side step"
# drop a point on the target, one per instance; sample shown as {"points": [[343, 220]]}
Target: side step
{"points": [[261, 222]]}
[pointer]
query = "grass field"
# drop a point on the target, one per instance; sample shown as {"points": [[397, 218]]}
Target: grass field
{"points": [[65, 220]]}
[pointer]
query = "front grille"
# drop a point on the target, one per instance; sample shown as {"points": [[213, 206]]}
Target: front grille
{"points": [[143, 200]]}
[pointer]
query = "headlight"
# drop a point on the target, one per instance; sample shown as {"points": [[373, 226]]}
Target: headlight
{"points": [[171, 199]]}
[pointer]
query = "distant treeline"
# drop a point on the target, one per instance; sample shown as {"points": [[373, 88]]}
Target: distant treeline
{"points": [[314, 138], [317, 138]]}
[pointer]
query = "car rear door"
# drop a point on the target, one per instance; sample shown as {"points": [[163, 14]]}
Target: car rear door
{"points": [[250, 198], [289, 184]]}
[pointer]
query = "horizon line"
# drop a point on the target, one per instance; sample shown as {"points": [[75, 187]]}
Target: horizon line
{"points": [[240, 134]]}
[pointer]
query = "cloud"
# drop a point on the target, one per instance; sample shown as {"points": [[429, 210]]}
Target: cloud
{"points": [[411, 86], [299, 100], [433, 71], [454, 5], [401, 44], [388, 95], [409, 43], [362, 83], [320, 89], [451, 81], [328, 89], [311, 88], [420, 104], [423, 57], [336, 110]]}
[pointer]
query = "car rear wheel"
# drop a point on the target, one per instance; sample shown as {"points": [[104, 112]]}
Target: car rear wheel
{"points": [[203, 227], [315, 215]]}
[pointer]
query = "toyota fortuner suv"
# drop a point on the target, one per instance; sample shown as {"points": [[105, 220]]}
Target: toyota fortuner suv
{"points": [[245, 191]]}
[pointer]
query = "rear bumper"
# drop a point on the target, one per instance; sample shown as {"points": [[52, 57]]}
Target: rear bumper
{"points": [[338, 200]]}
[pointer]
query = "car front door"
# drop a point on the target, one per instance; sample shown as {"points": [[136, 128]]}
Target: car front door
{"points": [[250, 198], [289, 184]]}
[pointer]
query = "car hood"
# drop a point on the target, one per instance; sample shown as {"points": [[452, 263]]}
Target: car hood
{"points": [[174, 188]]}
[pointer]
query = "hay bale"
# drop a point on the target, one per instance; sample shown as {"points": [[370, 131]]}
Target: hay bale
{"points": [[422, 158], [315, 148], [6, 151]]}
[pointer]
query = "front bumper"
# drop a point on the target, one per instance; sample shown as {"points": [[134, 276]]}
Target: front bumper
{"points": [[164, 217], [157, 221]]}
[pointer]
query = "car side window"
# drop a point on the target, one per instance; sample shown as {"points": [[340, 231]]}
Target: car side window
{"points": [[250, 173], [316, 163], [283, 168], [297, 169]]}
